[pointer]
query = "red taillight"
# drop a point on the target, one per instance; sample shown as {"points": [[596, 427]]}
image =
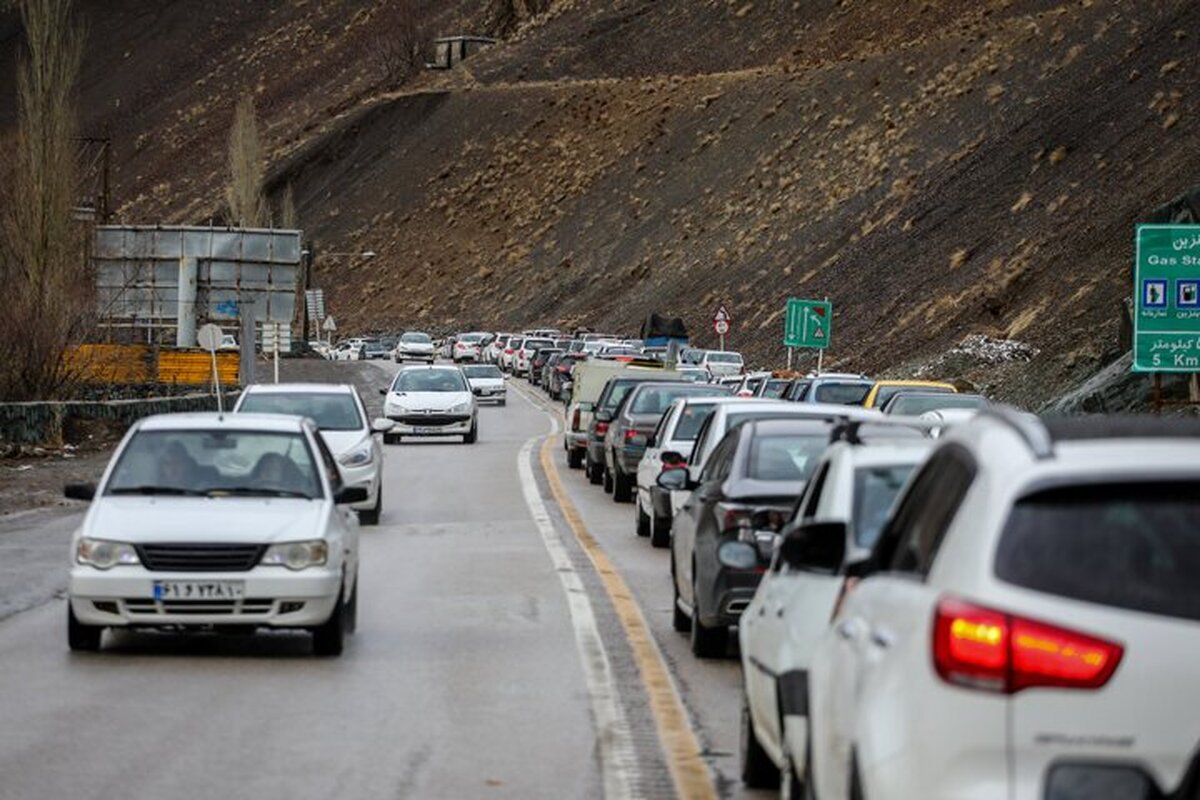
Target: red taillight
{"points": [[601, 428], [575, 420], [508, 351], [987, 649]]}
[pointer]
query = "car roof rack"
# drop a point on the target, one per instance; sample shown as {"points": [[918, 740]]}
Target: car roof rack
{"points": [[1028, 427], [850, 430], [1119, 426]]}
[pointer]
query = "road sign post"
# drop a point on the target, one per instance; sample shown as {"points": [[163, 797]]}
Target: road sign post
{"points": [[808, 323], [1166, 308], [329, 326], [209, 337], [722, 321]]}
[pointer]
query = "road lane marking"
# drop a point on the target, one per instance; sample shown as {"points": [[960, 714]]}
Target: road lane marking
{"points": [[618, 758], [689, 773]]}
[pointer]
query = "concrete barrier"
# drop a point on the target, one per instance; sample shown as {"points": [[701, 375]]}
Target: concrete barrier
{"points": [[43, 423]]}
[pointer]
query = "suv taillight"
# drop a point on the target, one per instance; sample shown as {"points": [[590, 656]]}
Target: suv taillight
{"points": [[575, 420], [731, 517], [601, 428], [991, 650]]}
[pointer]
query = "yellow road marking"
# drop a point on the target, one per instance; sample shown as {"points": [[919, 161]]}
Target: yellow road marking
{"points": [[689, 773]]}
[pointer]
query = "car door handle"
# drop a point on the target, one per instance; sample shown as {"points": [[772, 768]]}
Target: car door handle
{"points": [[882, 639], [847, 630]]}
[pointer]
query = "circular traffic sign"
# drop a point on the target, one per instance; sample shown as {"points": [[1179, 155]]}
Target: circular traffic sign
{"points": [[209, 337], [721, 327]]}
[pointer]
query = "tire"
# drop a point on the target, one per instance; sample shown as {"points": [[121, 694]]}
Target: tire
{"points": [[352, 610], [660, 531], [607, 479], [758, 770], [680, 621], [643, 520], [329, 639], [503, 403], [82, 638], [622, 486], [391, 438], [706, 642], [370, 516], [594, 475], [574, 458], [473, 436]]}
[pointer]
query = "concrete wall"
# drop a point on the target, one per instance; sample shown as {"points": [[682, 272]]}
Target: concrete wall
{"points": [[43, 423]]}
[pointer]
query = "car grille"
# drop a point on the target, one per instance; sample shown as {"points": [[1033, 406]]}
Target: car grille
{"points": [[200, 557], [141, 605], [430, 420]]}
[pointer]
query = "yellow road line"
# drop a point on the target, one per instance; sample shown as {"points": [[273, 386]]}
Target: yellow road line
{"points": [[689, 773]]}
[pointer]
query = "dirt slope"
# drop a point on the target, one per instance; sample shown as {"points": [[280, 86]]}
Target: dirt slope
{"points": [[936, 168]]}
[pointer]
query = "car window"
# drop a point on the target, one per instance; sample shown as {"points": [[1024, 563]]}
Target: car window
{"points": [[799, 390], [690, 420], [657, 399], [216, 462], [332, 411], [724, 358], [429, 380], [664, 424], [914, 405], [415, 338], [718, 464], [482, 371], [775, 388], [844, 394], [928, 509], [788, 457], [329, 464], [875, 489], [616, 394], [887, 392], [810, 501], [1133, 546]]}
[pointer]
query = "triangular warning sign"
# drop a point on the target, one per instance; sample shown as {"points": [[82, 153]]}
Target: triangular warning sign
{"points": [[819, 333]]}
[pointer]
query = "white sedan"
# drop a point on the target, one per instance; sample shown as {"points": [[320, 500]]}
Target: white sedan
{"points": [[487, 383], [430, 401], [342, 419], [205, 520]]}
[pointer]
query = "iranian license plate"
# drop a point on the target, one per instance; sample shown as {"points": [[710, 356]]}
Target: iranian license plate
{"points": [[199, 590], [427, 429]]}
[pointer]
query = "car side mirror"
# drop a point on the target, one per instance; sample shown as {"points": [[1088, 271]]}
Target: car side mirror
{"points": [[79, 491], [861, 569], [815, 547], [381, 425], [675, 479], [350, 494]]}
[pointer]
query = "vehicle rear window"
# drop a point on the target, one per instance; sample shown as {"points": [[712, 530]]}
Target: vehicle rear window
{"points": [[537, 344], [775, 389], [915, 405], [725, 358], [657, 399], [482, 371], [875, 488], [785, 458], [693, 416], [331, 411], [1134, 546], [843, 394], [886, 392]]}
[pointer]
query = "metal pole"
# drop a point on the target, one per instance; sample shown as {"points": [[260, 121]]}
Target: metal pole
{"points": [[217, 382], [722, 340], [276, 326], [820, 359], [185, 330], [789, 366]]}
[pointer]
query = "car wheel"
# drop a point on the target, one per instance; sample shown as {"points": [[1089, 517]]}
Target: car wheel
{"points": [[370, 516], [758, 771], [391, 438], [622, 486], [503, 402], [607, 479], [643, 520], [594, 475], [660, 531], [473, 436], [680, 621], [352, 610], [80, 637], [329, 639], [706, 642], [574, 458]]}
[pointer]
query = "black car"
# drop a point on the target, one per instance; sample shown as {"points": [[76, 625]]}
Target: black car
{"points": [[749, 483], [558, 379], [538, 361], [603, 412]]}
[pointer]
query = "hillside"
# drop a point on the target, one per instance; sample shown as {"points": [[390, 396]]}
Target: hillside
{"points": [[937, 169]]}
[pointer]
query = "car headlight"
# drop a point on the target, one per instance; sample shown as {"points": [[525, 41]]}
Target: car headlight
{"points": [[105, 554], [461, 408], [296, 555], [358, 457]]}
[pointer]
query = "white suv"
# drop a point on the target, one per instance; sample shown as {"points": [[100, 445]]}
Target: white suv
{"points": [[848, 496], [204, 520], [1030, 626]]}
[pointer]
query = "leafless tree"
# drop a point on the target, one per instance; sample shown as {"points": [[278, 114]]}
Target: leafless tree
{"points": [[244, 195], [43, 248], [402, 43]]}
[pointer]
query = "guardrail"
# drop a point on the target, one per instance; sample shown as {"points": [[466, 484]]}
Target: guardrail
{"points": [[43, 423]]}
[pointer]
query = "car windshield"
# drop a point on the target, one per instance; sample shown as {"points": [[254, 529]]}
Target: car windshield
{"points": [[537, 344], [216, 463], [690, 420], [332, 411], [471, 338], [725, 358], [888, 392], [874, 490], [917, 404], [789, 457], [416, 338], [657, 399], [841, 394], [429, 380], [775, 388], [482, 371], [1131, 546]]}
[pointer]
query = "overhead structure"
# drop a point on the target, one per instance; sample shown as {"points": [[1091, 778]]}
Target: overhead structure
{"points": [[161, 279]]}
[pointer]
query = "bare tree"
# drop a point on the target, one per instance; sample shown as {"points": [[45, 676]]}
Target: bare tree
{"points": [[43, 248], [401, 46], [244, 195]]}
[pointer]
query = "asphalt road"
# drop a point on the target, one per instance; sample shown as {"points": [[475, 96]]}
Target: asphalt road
{"points": [[490, 660]]}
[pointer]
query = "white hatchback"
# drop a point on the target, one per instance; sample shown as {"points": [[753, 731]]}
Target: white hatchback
{"points": [[430, 401], [208, 520]]}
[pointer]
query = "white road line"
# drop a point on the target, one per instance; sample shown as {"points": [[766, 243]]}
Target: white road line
{"points": [[618, 758]]}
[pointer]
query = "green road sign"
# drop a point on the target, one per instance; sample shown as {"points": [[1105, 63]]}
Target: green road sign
{"points": [[1166, 293], [808, 323]]}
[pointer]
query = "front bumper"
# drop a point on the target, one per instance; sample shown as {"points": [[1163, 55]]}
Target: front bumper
{"points": [[410, 356], [366, 476], [433, 425], [500, 393], [273, 597]]}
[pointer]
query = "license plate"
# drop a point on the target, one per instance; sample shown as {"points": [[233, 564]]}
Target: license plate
{"points": [[427, 429], [199, 590]]}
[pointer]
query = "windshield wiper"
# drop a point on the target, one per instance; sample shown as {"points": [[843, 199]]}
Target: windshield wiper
{"points": [[250, 491], [150, 489]]}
